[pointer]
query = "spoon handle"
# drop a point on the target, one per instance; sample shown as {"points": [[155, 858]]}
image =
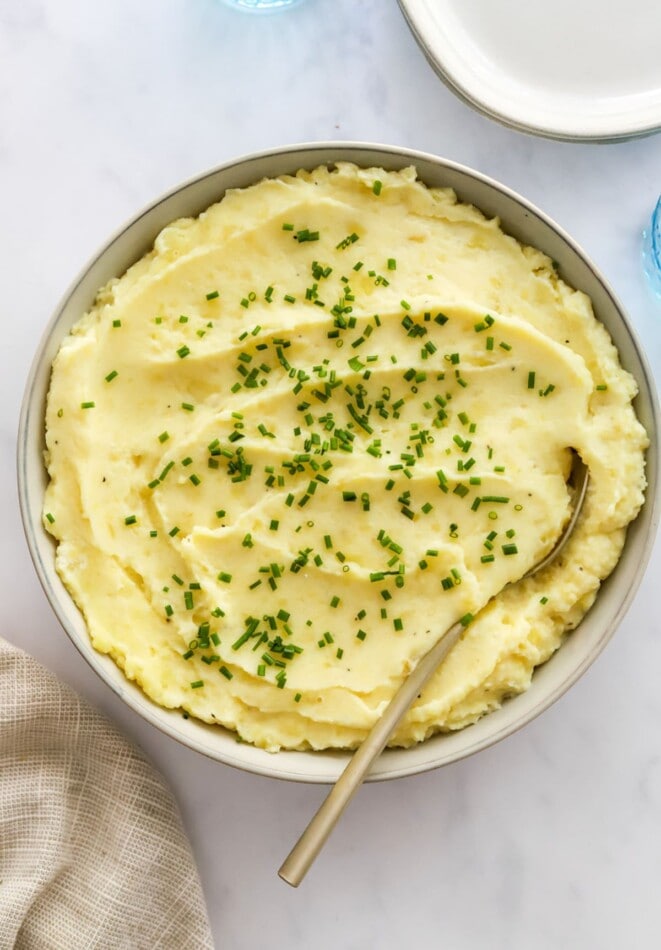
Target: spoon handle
{"points": [[308, 846]]}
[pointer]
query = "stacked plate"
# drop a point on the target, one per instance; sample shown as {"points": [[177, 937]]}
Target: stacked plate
{"points": [[582, 71]]}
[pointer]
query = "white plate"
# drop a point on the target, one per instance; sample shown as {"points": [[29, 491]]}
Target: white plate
{"points": [[572, 69]]}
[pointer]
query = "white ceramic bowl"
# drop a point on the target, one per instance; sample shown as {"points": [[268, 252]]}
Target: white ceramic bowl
{"points": [[520, 219]]}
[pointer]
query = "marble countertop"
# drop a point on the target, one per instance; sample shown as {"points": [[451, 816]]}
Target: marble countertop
{"points": [[550, 839]]}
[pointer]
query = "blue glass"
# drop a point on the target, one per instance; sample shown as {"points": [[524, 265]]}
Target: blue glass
{"points": [[652, 250], [262, 6]]}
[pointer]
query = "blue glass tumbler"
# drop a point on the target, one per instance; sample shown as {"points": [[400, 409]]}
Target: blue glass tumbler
{"points": [[262, 6], [652, 250]]}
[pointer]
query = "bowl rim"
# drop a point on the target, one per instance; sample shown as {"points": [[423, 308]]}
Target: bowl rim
{"points": [[334, 761]]}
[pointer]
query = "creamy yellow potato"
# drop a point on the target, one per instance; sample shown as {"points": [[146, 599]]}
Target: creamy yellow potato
{"points": [[315, 427]]}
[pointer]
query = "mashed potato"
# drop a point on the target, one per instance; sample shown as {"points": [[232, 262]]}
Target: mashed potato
{"points": [[312, 429]]}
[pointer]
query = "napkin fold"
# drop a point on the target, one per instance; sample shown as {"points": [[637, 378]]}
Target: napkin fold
{"points": [[92, 849]]}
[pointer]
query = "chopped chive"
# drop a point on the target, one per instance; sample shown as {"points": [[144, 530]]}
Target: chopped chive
{"points": [[189, 407], [87, 405], [377, 186], [197, 684], [225, 672], [130, 519], [347, 241], [531, 379], [213, 295], [49, 517], [306, 235], [225, 577], [165, 471], [112, 375], [116, 323]]}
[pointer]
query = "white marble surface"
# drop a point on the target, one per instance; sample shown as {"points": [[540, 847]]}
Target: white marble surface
{"points": [[552, 838]]}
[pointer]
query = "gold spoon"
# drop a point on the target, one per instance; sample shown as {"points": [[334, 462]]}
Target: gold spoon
{"points": [[308, 846]]}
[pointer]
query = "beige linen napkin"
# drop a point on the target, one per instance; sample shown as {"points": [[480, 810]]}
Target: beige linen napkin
{"points": [[92, 851]]}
